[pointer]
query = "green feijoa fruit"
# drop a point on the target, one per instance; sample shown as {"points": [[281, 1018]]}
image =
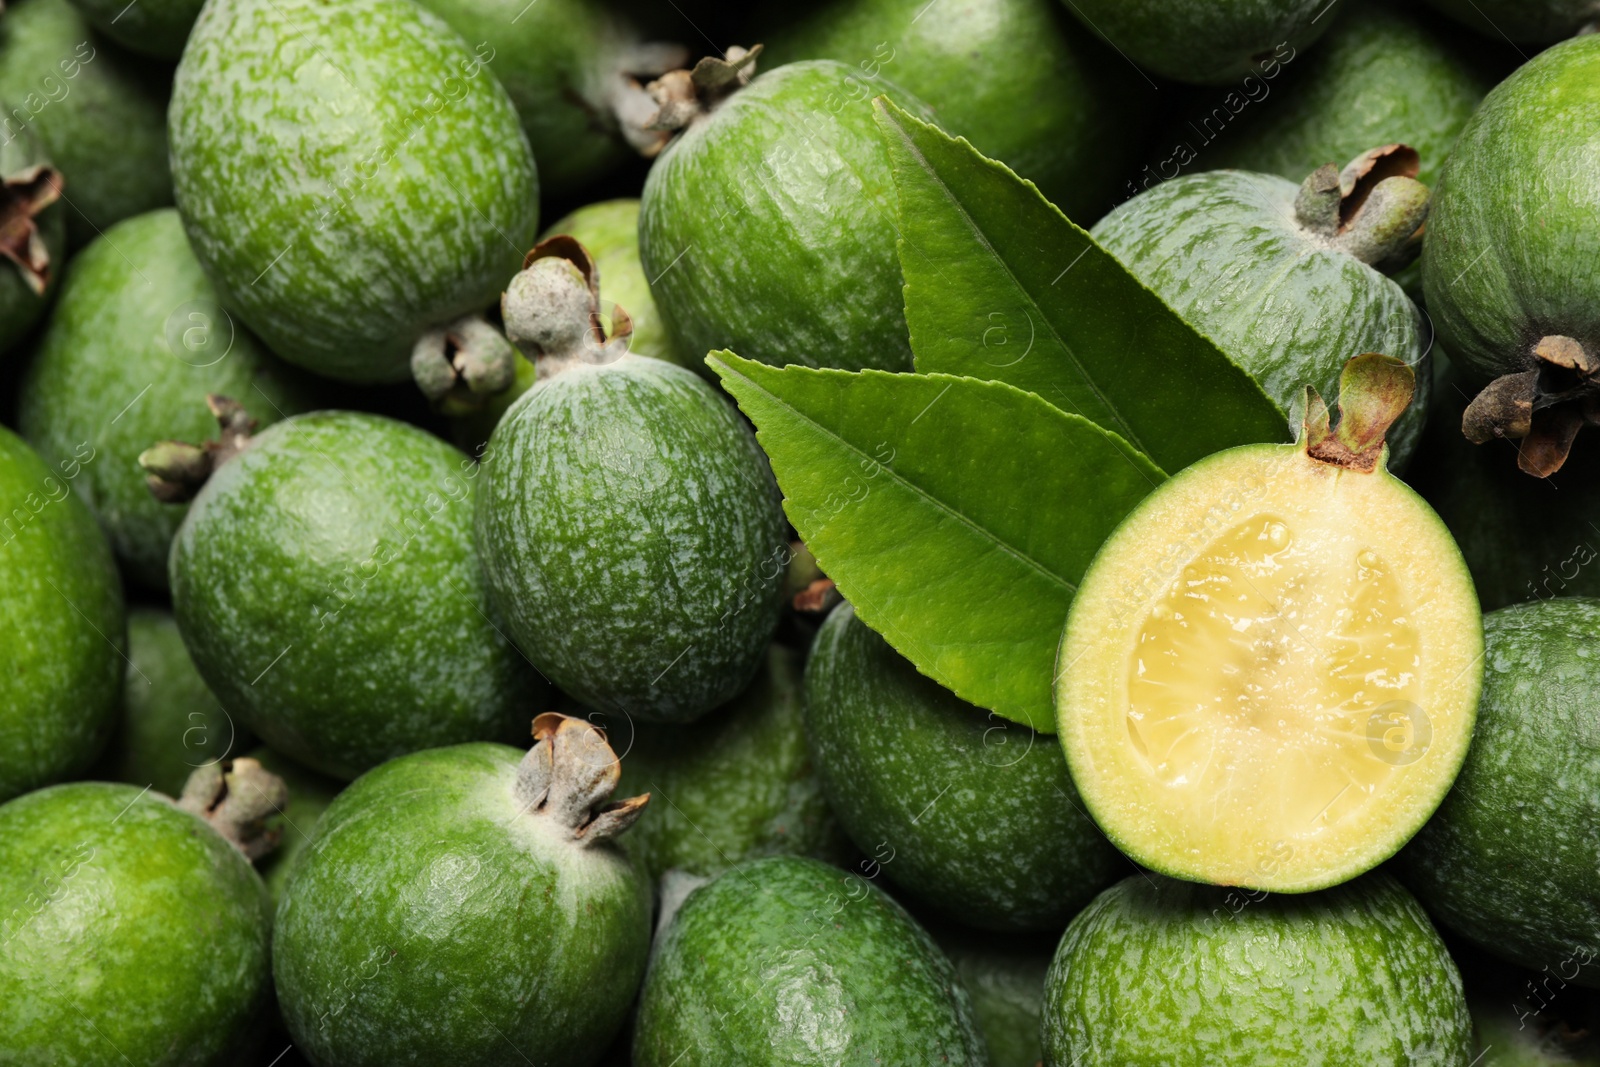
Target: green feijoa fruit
{"points": [[1283, 279], [1509, 270], [351, 175], [1206, 43], [132, 349], [310, 794], [467, 905], [1005, 975], [1021, 79], [789, 960], [156, 28], [1380, 76], [1523, 538], [769, 226], [968, 814], [62, 615], [735, 785], [98, 110], [609, 233], [1169, 973], [32, 233], [133, 931], [171, 723], [1528, 21], [567, 66], [1511, 860], [632, 536], [327, 586]]}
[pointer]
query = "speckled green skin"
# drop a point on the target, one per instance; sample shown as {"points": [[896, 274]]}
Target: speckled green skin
{"points": [[20, 306], [968, 814], [788, 960], [1511, 860], [1511, 246], [62, 616], [554, 58], [769, 226], [132, 933], [100, 111], [342, 542], [310, 794], [1380, 76], [156, 28], [632, 535], [1162, 973], [132, 348], [1523, 538], [610, 231], [434, 922], [734, 786], [1206, 42], [350, 174], [170, 723], [1005, 977], [1021, 79], [1529, 21], [1223, 249]]}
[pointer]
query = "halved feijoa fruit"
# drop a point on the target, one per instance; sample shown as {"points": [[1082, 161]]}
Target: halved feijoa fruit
{"points": [[1270, 672]]}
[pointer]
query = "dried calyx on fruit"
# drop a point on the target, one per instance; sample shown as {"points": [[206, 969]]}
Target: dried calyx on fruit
{"points": [[1545, 407], [682, 96], [552, 309], [1374, 209], [25, 192], [236, 797], [568, 777], [175, 470]]}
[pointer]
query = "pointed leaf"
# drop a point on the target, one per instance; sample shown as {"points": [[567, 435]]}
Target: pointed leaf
{"points": [[956, 514], [1001, 285]]}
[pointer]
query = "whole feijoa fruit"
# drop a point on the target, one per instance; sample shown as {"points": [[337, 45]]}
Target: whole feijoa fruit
{"points": [[1204, 43], [735, 785], [1286, 280], [630, 527], [62, 615], [32, 233], [351, 176], [1527, 21], [1382, 75], [1169, 973], [326, 583], [789, 960], [1005, 975], [769, 225], [974, 65], [968, 814], [100, 112], [1523, 538], [1270, 670], [1511, 860], [1509, 266], [467, 905], [156, 28], [296, 821], [133, 347], [171, 723], [134, 932]]}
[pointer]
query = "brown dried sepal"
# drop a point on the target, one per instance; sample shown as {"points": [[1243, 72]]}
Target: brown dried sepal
{"points": [[682, 96], [237, 797], [568, 776], [554, 318], [1544, 408], [23, 196], [818, 598], [1374, 390], [175, 470]]}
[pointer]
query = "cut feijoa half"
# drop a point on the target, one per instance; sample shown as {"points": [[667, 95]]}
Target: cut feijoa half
{"points": [[1270, 672]]}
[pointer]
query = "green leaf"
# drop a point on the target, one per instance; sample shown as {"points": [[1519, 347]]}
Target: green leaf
{"points": [[956, 514], [1002, 285]]}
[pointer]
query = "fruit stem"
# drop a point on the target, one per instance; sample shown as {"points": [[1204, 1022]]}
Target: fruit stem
{"points": [[567, 777], [552, 310], [1544, 406], [236, 797], [460, 365], [1374, 391], [175, 470], [1373, 210]]}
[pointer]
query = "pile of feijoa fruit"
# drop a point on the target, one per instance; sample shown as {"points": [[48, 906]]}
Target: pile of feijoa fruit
{"points": [[1026, 533]]}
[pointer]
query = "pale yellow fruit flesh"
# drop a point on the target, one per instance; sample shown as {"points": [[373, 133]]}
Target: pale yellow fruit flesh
{"points": [[1270, 672]]}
